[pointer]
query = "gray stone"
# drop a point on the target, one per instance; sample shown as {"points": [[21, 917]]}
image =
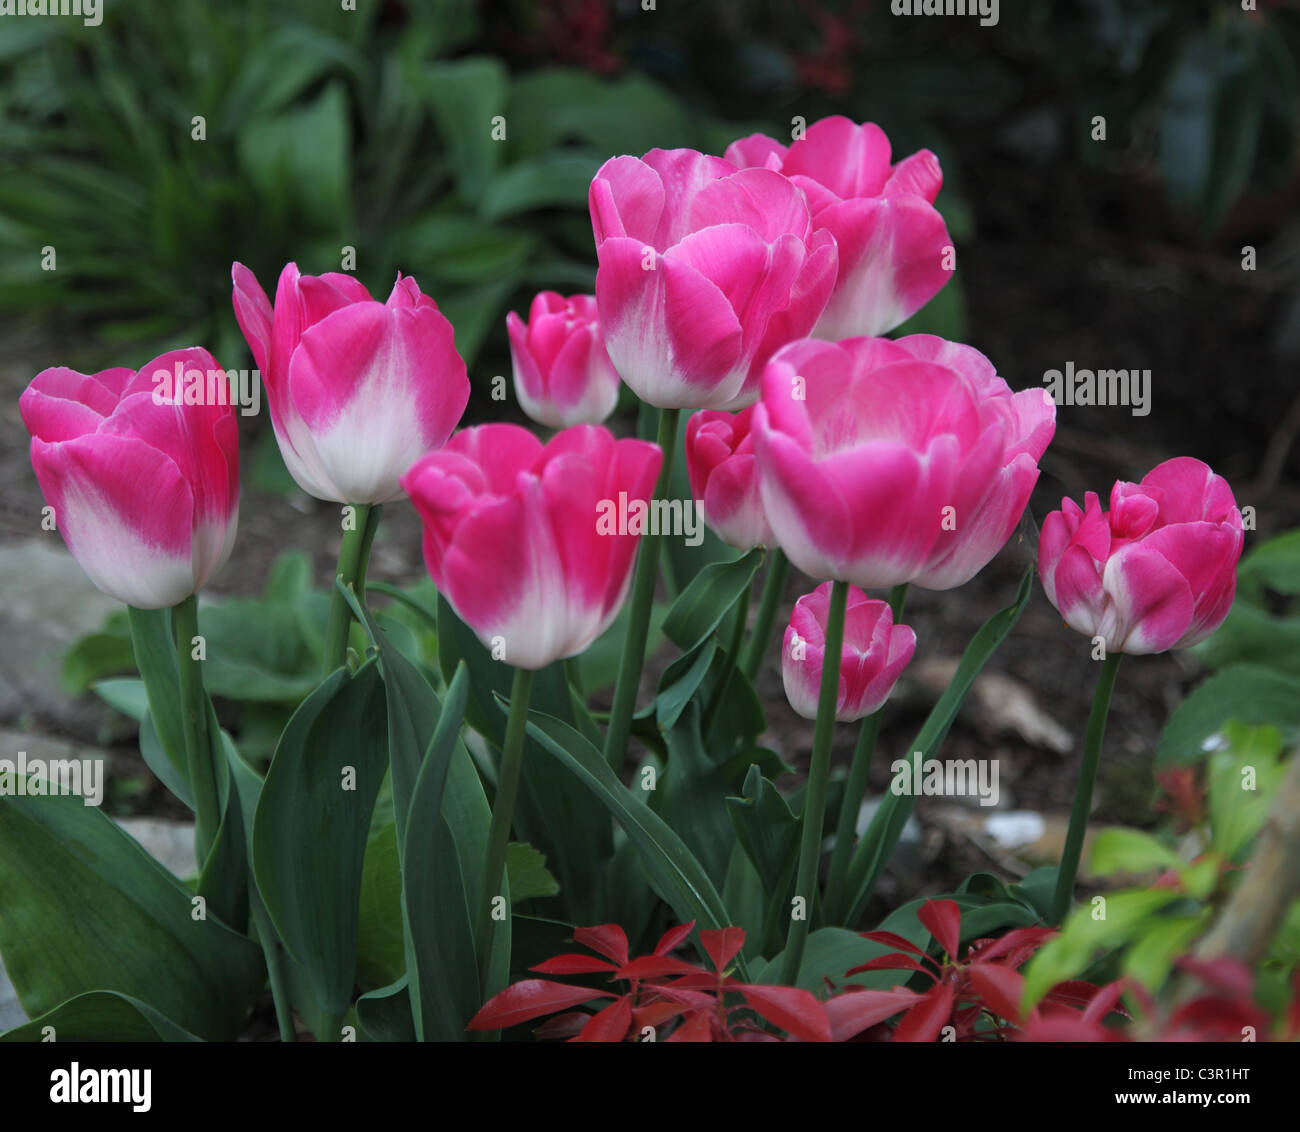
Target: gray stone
{"points": [[49, 603]]}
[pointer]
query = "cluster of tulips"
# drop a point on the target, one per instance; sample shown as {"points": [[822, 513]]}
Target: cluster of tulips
{"points": [[752, 290]]}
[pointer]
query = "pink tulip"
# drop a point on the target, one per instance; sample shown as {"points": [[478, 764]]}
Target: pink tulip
{"points": [[891, 240], [563, 375], [1157, 571], [724, 476], [874, 655], [705, 270], [883, 462], [514, 536], [142, 472], [358, 389]]}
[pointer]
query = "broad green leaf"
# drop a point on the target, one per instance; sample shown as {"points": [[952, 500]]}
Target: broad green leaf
{"points": [[1242, 781], [766, 827], [1130, 851], [384, 1015], [1151, 957], [527, 872], [1244, 692], [441, 965], [554, 180], [1091, 928], [466, 96], [311, 826], [100, 1016], [381, 955], [673, 871], [702, 605], [453, 849], [86, 909], [125, 694]]}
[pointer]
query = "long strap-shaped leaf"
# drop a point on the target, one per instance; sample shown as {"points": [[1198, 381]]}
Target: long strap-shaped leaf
{"points": [[673, 870], [877, 844], [440, 846]]}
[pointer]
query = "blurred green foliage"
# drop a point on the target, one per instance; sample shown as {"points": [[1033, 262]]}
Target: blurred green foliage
{"points": [[455, 139]]}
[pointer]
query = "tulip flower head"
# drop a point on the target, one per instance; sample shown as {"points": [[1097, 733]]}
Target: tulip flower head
{"points": [[1157, 571], [874, 654], [563, 375], [511, 536], [723, 473], [894, 250], [889, 461], [705, 270], [358, 389], [144, 484]]}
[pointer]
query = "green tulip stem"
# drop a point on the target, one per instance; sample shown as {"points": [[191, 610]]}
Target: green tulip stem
{"points": [[194, 723], [503, 812], [773, 587], [1083, 792], [814, 805], [353, 555], [855, 790], [643, 592]]}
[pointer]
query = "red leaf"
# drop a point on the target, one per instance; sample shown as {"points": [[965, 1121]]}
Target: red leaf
{"points": [[692, 998], [562, 1027], [943, 920], [656, 1014], [892, 939], [530, 998], [1230, 977], [698, 1027], [925, 1021], [891, 963], [657, 966], [1075, 992], [1066, 1026], [673, 938], [572, 964], [796, 1011], [610, 1025], [697, 980], [1000, 989], [1026, 939], [607, 939], [854, 1011], [722, 945]]}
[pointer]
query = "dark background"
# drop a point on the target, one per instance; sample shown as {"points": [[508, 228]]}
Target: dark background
{"points": [[326, 128]]}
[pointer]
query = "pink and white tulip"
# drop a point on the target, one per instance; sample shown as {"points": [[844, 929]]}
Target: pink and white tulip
{"points": [[888, 461], [873, 656], [1157, 571], [723, 474], [893, 244], [705, 270], [358, 389], [563, 374], [144, 486], [512, 538]]}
